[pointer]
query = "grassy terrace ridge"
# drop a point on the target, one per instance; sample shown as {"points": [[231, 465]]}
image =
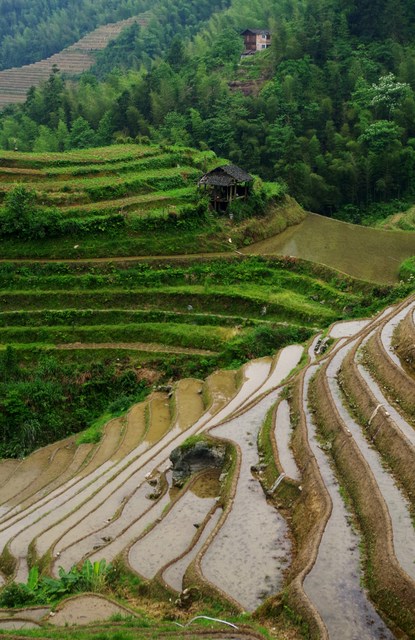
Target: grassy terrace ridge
{"points": [[96, 155], [126, 199], [69, 330]]}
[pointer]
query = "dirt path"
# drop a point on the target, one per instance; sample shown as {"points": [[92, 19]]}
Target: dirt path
{"points": [[135, 346]]}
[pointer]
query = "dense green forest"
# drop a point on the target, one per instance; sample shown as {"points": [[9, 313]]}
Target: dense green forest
{"points": [[329, 108], [35, 29]]}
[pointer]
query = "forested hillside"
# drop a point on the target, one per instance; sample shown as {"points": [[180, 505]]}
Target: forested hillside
{"points": [[329, 108], [34, 29]]}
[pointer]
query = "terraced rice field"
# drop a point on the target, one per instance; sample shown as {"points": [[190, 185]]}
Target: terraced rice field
{"points": [[74, 60], [320, 467], [200, 307], [106, 181]]}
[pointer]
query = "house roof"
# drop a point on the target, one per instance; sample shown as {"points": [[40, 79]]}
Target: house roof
{"points": [[256, 32], [226, 175]]}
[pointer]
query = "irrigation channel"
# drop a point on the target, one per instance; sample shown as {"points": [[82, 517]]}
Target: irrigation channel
{"points": [[350, 448]]}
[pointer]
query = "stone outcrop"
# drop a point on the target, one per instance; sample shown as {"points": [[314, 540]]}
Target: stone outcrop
{"points": [[191, 459]]}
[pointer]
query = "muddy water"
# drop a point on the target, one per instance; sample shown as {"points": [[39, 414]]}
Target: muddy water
{"points": [[107, 448], [189, 402], [84, 610], [49, 522], [221, 386], [114, 534], [135, 529], [160, 417], [16, 623], [387, 333], [398, 507], [347, 329], [102, 527], [174, 574], [7, 468], [30, 613], [60, 462], [25, 474], [207, 485], [283, 432], [255, 374], [362, 252], [285, 361], [134, 430], [247, 556], [334, 582], [171, 537]]}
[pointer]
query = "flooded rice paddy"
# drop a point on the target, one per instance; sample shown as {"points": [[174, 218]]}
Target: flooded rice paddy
{"points": [[363, 252], [249, 553], [174, 574], [283, 432], [397, 505], [116, 498], [334, 582], [172, 536]]}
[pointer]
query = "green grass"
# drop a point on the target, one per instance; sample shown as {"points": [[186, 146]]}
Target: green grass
{"points": [[113, 153]]}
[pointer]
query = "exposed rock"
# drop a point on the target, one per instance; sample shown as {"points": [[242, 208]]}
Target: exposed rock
{"points": [[200, 455]]}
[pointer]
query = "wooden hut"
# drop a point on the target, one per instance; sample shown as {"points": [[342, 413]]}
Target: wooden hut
{"points": [[225, 184], [256, 40]]}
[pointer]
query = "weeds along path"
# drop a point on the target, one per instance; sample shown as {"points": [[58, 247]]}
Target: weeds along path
{"points": [[379, 504]]}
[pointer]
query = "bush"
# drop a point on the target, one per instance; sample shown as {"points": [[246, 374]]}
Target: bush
{"points": [[91, 577], [22, 218]]}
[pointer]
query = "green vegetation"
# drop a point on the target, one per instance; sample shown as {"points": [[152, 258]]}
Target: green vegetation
{"points": [[127, 199], [88, 338], [328, 108], [91, 577], [36, 30], [407, 270]]}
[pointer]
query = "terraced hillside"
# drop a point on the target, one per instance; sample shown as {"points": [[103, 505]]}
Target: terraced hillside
{"points": [[305, 457], [74, 60], [90, 324], [309, 448], [120, 195]]}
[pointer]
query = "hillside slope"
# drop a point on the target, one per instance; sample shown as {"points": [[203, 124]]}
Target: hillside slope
{"points": [[72, 61]]}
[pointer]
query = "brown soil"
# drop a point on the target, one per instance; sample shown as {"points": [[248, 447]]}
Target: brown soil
{"points": [[386, 436], [404, 343], [134, 346], [27, 472], [82, 610], [396, 384], [60, 461]]}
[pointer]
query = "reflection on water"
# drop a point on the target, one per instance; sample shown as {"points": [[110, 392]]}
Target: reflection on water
{"points": [[362, 252]]}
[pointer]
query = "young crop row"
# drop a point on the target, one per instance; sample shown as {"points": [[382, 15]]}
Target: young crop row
{"points": [[97, 155], [201, 337]]}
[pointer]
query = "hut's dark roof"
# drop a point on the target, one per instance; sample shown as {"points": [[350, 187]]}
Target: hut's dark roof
{"points": [[256, 31], [226, 175]]}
